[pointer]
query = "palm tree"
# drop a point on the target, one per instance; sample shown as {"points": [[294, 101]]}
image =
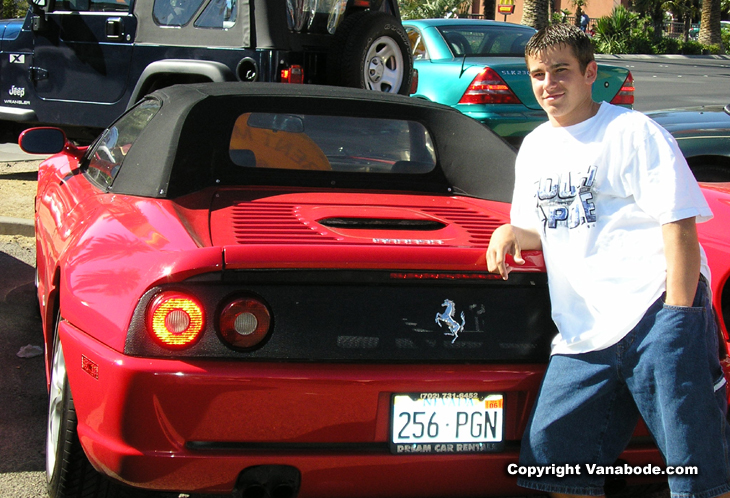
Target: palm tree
{"points": [[491, 5], [535, 13], [710, 23], [655, 10], [579, 4]]}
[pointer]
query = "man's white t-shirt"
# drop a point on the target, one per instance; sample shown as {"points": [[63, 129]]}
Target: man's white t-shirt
{"points": [[598, 193]]}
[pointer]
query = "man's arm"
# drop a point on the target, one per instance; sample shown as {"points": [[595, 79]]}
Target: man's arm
{"points": [[509, 239], [682, 250]]}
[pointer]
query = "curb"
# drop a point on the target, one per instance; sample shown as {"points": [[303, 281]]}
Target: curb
{"points": [[16, 226]]}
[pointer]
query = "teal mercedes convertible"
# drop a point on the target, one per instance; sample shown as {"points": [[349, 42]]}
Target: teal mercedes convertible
{"points": [[478, 67]]}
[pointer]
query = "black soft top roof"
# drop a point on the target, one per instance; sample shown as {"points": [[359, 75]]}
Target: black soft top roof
{"points": [[185, 146]]}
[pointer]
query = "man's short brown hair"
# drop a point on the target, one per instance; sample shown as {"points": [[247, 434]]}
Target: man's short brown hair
{"points": [[565, 35]]}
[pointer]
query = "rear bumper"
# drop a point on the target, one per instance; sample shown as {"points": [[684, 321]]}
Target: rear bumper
{"points": [[194, 426], [506, 123]]}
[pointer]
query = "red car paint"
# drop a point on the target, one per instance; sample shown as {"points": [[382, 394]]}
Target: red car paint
{"points": [[135, 419]]}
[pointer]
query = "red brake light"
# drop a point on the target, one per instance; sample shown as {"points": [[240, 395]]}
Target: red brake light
{"points": [[293, 74], [175, 320], [625, 96], [245, 322], [414, 82], [489, 88]]}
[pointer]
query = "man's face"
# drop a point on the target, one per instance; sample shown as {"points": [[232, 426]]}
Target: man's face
{"points": [[561, 89]]}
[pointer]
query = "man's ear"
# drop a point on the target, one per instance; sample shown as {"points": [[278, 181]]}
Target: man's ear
{"points": [[591, 72]]}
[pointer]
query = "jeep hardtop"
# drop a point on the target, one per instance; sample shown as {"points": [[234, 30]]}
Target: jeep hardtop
{"points": [[78, 64]]}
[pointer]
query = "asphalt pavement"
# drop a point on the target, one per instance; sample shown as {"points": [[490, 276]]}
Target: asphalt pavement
{"points": [[23, 396]]}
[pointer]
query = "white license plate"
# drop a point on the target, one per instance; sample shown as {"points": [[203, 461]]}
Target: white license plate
{"points": [[447, 423]]}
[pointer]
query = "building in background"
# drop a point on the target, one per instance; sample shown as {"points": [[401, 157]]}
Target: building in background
{"points": [[594, 8]]}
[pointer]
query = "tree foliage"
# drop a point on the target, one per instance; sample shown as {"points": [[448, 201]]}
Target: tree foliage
{"points": [[655, 10], [427, 9], [685, 11], [11, 9], [613, 33], [626, 32]]}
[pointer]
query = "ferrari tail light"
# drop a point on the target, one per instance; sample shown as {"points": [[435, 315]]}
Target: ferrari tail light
{"points": [[625, 96], [489, 88], [293, 74], [244, 322], [175, 320]]}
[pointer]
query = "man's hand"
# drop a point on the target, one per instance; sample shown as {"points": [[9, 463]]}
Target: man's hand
{"points": [[512, 240]]}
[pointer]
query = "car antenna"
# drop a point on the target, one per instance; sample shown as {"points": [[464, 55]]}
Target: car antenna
{"points": [[463, 60]]}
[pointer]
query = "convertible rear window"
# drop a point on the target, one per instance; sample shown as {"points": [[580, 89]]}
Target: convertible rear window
{"points": [[331, 143], [487, 40]]}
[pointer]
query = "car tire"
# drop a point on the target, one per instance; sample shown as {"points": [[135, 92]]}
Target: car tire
{"points": [[711, 172], [68, 472], [371, 50]]}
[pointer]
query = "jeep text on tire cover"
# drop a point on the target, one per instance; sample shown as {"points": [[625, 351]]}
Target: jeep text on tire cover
{"points": [[79, 64]]}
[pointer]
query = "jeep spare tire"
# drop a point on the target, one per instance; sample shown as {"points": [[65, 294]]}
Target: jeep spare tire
{"points": [[370, 50]]}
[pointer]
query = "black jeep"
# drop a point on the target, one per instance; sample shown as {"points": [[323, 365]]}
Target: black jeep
{"points": [[78, 64]]}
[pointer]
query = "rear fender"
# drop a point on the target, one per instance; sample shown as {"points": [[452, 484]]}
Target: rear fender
{"points": [[164, 73]]}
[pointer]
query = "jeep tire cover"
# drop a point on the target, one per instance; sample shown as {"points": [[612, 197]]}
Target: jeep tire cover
{"points": [[371, 50]]}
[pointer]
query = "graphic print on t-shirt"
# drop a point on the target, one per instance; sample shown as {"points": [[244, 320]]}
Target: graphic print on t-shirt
{"points": [[567, 200]]}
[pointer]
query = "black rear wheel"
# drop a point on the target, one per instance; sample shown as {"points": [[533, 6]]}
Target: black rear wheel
{"points": [[371, 50], [68, 471], [711, 172], [69, 474]]}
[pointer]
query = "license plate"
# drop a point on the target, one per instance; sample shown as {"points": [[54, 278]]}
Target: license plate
{"points": [[447, 423]]}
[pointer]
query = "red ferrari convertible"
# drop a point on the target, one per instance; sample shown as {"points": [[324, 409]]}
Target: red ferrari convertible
{"points": [[254, 290]]}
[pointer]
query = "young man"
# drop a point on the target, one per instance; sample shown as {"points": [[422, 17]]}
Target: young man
{"points": [[605, 193]]}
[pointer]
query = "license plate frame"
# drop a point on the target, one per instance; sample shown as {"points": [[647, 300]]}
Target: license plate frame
{"points": [[440, 429]]}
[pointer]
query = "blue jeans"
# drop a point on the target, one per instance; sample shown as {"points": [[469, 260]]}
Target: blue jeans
{"points": [[666, 370]]}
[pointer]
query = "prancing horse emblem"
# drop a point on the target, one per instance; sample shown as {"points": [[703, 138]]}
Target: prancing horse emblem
{"points": [[447, 318]]}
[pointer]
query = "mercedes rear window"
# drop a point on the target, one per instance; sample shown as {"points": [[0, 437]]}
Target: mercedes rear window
{"points": [[486, 40]]}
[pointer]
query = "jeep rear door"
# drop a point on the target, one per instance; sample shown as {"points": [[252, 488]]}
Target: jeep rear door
{"points": [[83, 53]]}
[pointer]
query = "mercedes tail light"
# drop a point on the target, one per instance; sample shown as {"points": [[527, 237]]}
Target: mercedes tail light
{"points": [[489, 88], [625, 95], [175, 320], [244, 322]]}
